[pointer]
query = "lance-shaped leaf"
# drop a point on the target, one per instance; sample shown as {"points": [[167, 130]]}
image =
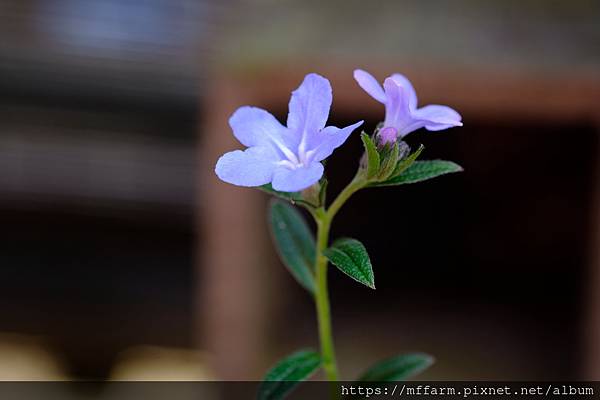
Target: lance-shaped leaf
{"points": [[421, 171], [294, 242], [350, 256], [408, 161], [398, 368], [288, 373], [389, 157], [373, 160]]}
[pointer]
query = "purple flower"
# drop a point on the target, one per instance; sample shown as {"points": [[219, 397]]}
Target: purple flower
{"points": [[287, 157], [401, 112]]}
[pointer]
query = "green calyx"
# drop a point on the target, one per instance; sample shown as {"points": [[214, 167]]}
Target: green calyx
{"points": [[382, 163]]}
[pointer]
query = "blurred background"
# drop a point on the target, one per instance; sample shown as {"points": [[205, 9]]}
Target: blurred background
{"points": [[123, 257]]}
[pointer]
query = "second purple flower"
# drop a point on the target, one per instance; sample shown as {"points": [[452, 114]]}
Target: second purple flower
{"points": [[401, 113]]}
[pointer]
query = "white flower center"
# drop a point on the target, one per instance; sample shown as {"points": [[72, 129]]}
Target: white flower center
{"points": [[293, 160]]}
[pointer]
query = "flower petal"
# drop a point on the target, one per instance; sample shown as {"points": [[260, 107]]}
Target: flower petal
{"points": [[252, 167], [436, 117], [309, 106], [397, 109], [294, 180], [253, 126], [370, 85], [331, 138], [408, 88]]}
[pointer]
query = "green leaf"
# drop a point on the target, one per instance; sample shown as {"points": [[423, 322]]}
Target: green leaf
{"points": [[408, 161], [350, 256], [421, 171], [398, 368], [389, 162], [373, 160], [294, 242], [288, 373]]}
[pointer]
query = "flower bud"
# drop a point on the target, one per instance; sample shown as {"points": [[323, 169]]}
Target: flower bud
{"points": [[387, 136]]}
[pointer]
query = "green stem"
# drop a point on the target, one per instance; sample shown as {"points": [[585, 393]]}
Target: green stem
{"points": [[324, 218], [322, 298]]}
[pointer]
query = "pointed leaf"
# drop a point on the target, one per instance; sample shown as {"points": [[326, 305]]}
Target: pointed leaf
{"points": [[294, 242], [350, 256], [288, 373], [373, 159], [398, 368], [389, 162], [421, 171], [407, 162]]}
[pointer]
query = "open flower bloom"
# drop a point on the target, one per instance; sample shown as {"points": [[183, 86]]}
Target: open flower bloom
{"points": [[401, 112], [287, 157]]}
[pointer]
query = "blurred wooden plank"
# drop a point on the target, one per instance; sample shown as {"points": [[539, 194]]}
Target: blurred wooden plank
{"points": [[494, 94], [231, 273]]}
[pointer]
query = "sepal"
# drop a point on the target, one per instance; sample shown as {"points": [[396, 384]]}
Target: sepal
{"points": [[372, 160], [389, 159], [406, 162]]}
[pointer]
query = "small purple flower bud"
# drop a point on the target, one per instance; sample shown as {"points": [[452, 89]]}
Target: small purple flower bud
{"points": [[387, 135]]}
